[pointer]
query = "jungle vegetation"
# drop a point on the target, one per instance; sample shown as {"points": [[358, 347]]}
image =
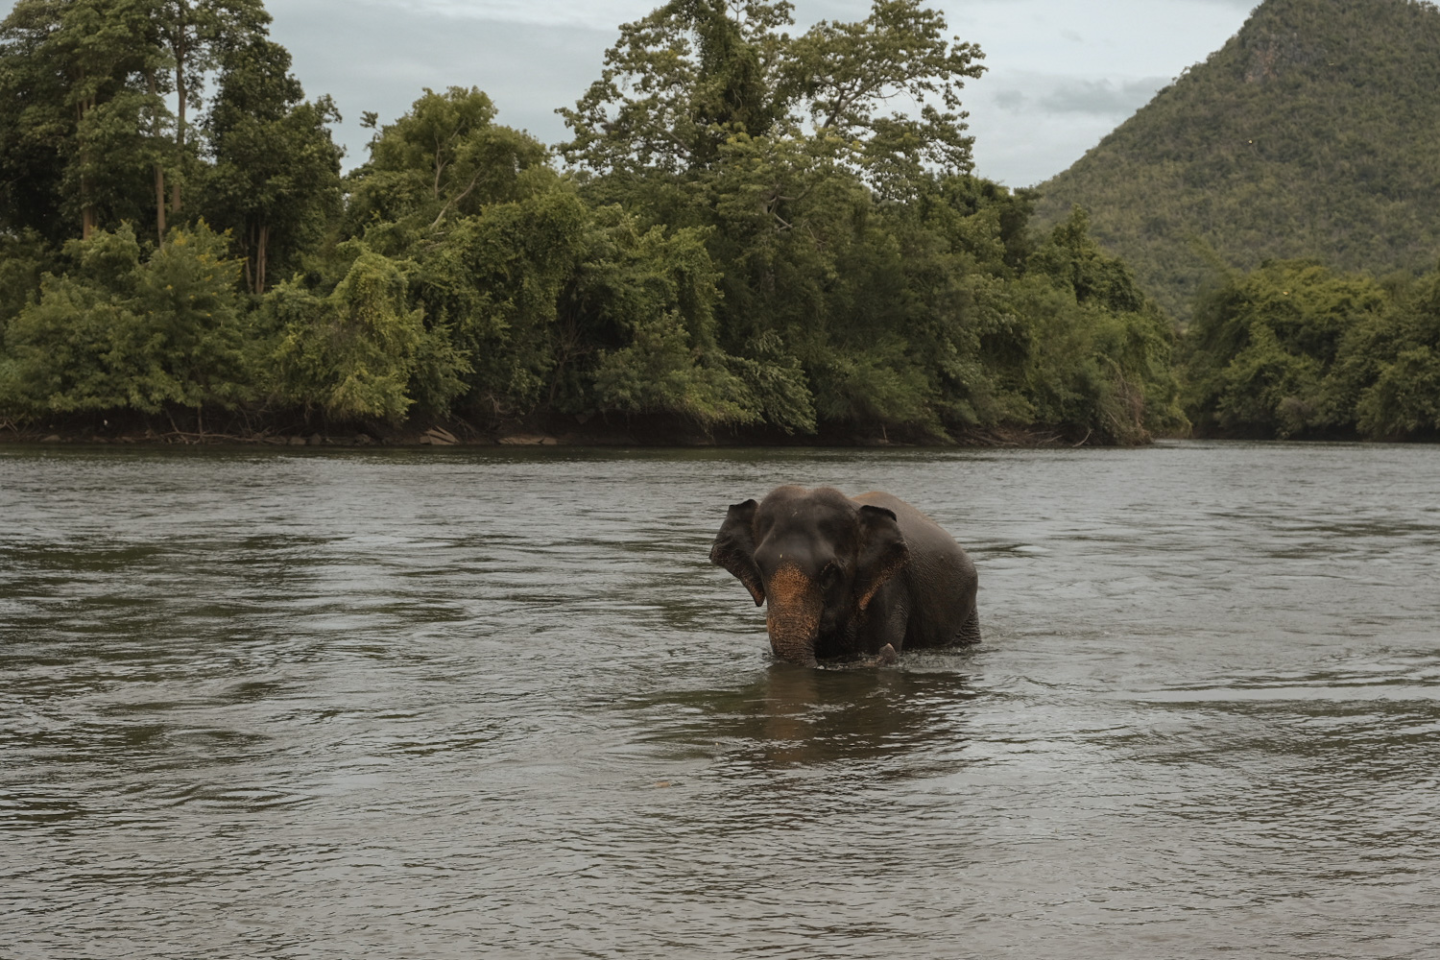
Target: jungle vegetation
{"points": [[1314, 133], [742, 234], [1296, 349], [742, 237]]}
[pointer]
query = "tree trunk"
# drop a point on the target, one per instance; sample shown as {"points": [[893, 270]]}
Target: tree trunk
{"points": [[160, 202], [159, 167], [182, 53], [260, 254], [87, 204], [179, 131], [255, 262]]}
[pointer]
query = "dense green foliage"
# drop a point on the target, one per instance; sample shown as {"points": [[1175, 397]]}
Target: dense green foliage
{"points": [[1314, 133], [1294, 349], [748, 236], [116, 331]]}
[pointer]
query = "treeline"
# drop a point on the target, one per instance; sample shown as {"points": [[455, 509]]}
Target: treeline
{"points": [[1295, 349], [743, 235]]}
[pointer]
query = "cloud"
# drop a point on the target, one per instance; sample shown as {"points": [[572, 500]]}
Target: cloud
{"points": [[604, 15], [1057, 94], [1032, 125], [1105, 97], [591, 15], [1011, 100], [371, 59]]}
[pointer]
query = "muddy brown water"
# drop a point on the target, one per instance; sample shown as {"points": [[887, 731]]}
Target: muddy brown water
{"points": [[450, 704]]}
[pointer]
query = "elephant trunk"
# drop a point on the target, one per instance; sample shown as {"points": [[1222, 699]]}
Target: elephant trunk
{"points": [[793, 615]]}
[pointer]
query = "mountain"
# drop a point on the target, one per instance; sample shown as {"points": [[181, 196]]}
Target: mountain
{"points": [[1313, 133]]}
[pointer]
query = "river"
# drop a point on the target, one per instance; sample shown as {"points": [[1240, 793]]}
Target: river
{"points": [[456, 704]]}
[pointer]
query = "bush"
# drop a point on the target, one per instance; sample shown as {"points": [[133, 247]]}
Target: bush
{"points": [[116, 332], [360, 352]]}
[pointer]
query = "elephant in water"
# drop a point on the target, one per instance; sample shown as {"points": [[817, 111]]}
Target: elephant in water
{"points": [[847, 578]]}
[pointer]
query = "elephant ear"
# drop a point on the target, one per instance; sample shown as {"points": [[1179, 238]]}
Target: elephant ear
{"points": [[734, 548], [883, 551]]}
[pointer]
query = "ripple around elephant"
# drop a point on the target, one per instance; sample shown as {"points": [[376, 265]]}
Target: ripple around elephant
{"points": [[845, 578]]}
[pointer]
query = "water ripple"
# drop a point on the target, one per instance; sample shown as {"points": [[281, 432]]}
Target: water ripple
{"points": [[455, 704]]}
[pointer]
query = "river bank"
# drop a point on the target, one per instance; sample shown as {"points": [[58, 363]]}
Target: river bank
{"points": [[656, 432]]}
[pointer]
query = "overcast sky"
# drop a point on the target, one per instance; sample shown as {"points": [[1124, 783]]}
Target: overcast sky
{"points": [[1061, 73]]}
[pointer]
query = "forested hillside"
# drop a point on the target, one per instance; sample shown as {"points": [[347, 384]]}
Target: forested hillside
{"points": [[742, 235], [1314, 133]]}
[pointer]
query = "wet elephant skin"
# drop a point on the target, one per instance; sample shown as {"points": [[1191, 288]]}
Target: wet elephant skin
{"points": [[844, 577]]}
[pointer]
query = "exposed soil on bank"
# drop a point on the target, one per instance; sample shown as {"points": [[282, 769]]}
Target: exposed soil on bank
{"points": [[454, 432]]}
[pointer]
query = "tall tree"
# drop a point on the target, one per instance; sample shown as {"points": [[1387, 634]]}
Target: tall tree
{"points": [[696, 74], [847, 75], [81, 73], [444, 159], [196, 34], [277, 170], [34, 126]]}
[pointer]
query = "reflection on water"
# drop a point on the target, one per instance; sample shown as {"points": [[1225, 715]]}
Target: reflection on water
{"points": [[792, 716], [469, 704]]}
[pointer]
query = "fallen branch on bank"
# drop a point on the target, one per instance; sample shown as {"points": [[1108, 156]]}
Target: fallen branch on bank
{"points": [[187, 437]]}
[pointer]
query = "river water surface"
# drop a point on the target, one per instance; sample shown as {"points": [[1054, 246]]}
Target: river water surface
{"points": [[482, 704]]}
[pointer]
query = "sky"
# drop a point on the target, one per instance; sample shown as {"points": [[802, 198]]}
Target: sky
{"points": [[1060, 73]]}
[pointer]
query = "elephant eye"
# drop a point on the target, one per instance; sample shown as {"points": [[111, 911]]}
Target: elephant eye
{"points": [[830, 574]]}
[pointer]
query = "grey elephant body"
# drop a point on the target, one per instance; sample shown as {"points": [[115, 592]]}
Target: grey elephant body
{"points": [[846, 577]]}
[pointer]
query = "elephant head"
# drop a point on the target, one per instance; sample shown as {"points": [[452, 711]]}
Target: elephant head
{"points": [[816, 558]]}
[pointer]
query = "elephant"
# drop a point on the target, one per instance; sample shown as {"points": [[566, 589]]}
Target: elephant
{"points": [[849, 578]]}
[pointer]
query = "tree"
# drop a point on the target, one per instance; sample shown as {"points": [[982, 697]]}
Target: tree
{"points": [[197, 34], [442, 160], [24, 259], [494, 282], [276, 179], [647, 300], [1387, 372], [34, 125], [677, 83], [695, 74], [847, 72], [358, 352], [119, 331], [1265, 349], [81, 75]]}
